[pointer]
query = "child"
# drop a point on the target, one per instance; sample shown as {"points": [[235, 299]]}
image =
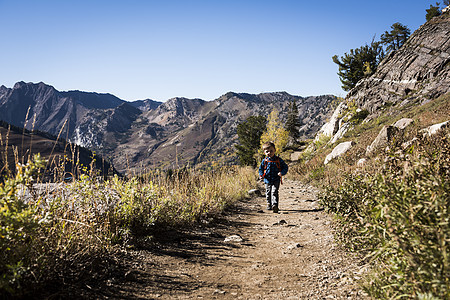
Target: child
{"points": [[271, 170]]}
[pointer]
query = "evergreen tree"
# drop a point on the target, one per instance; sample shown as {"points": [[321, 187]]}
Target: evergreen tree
{"points": [[293, 122], [359, 63], [275, 132], [433, 11], [249, 134], [396, 37]]}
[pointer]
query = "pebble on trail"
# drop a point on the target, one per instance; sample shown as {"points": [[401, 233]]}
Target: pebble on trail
{"points": [[234, 238]]}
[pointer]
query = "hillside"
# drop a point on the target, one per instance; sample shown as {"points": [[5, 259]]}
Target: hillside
{"points": [[197, 132], [19, 144], [147, 133]]}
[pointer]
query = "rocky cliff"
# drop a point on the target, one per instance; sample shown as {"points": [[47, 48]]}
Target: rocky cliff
{"points": [[41, 106], [413, 75], [417, 72]]}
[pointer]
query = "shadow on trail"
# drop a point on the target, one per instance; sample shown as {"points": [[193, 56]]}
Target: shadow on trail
{"points": [[197, 242], [202, 244], [194, 243], [302, 210]]}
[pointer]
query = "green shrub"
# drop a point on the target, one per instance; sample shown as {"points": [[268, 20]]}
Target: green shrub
{"points": [[359, 116], [18, 224], [317, 173]]}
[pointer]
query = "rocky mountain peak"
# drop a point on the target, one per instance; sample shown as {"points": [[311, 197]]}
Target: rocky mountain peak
{"points": [[177, 110], [93, 100], [19, 85], [181, 104], [146, 105]]}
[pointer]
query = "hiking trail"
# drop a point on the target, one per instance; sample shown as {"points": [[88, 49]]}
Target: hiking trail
{"points": [[251, 253]]}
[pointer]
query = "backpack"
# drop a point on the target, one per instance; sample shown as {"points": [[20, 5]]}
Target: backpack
{"points": [[277, 162]]}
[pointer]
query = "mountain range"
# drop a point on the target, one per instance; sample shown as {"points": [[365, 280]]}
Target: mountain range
{"points": [[148, 133]]}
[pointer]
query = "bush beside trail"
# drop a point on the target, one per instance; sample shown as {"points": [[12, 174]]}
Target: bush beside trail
{"points": [[400, 218]]}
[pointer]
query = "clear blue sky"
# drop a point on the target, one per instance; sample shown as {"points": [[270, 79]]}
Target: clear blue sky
{"points": [[193, 48]]}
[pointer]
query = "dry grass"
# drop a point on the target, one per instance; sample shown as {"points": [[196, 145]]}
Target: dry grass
{"points": [[61, 230]]}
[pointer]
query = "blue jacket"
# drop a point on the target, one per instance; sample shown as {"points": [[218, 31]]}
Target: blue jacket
{"points": [[272, 167]]}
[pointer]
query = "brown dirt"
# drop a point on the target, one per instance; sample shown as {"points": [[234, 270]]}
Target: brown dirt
{"points": [[289, 255]]}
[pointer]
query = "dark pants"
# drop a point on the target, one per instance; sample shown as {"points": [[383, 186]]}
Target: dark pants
{"points": [[272, 193]]}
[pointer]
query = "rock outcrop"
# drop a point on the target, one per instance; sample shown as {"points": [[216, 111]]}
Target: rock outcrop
{"points": [[433, 129], [413, 75]]}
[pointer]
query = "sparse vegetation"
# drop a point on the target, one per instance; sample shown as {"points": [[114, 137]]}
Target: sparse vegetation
{"points": [[400, 218]]}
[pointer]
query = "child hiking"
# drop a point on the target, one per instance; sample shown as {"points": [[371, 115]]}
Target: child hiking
{"points": [[272, 169]]}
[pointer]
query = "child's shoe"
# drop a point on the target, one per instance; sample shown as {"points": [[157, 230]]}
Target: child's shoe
{"points": [[275, 209]]}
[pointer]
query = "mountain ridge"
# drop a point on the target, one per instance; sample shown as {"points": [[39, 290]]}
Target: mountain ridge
{"points": [[148, 133]]}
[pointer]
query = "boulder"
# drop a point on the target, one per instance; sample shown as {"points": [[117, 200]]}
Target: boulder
{"points": [[338, 151], [295, 155], [332, 126], [340, 133], [433, 129], [234, 238], [254, 192], [361, 162], [403, 123], [384, 137]]}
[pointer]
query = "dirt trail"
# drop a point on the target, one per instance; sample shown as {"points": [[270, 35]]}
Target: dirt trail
{"points": [[289, 255]]}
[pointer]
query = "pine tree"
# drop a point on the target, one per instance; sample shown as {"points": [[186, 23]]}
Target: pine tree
{"points": [[432, 12], [359, 63], [293, 122], [396, 37], [249, 134]]}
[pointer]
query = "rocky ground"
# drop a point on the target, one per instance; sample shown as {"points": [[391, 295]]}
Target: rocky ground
{"points": [[251, 253]]}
